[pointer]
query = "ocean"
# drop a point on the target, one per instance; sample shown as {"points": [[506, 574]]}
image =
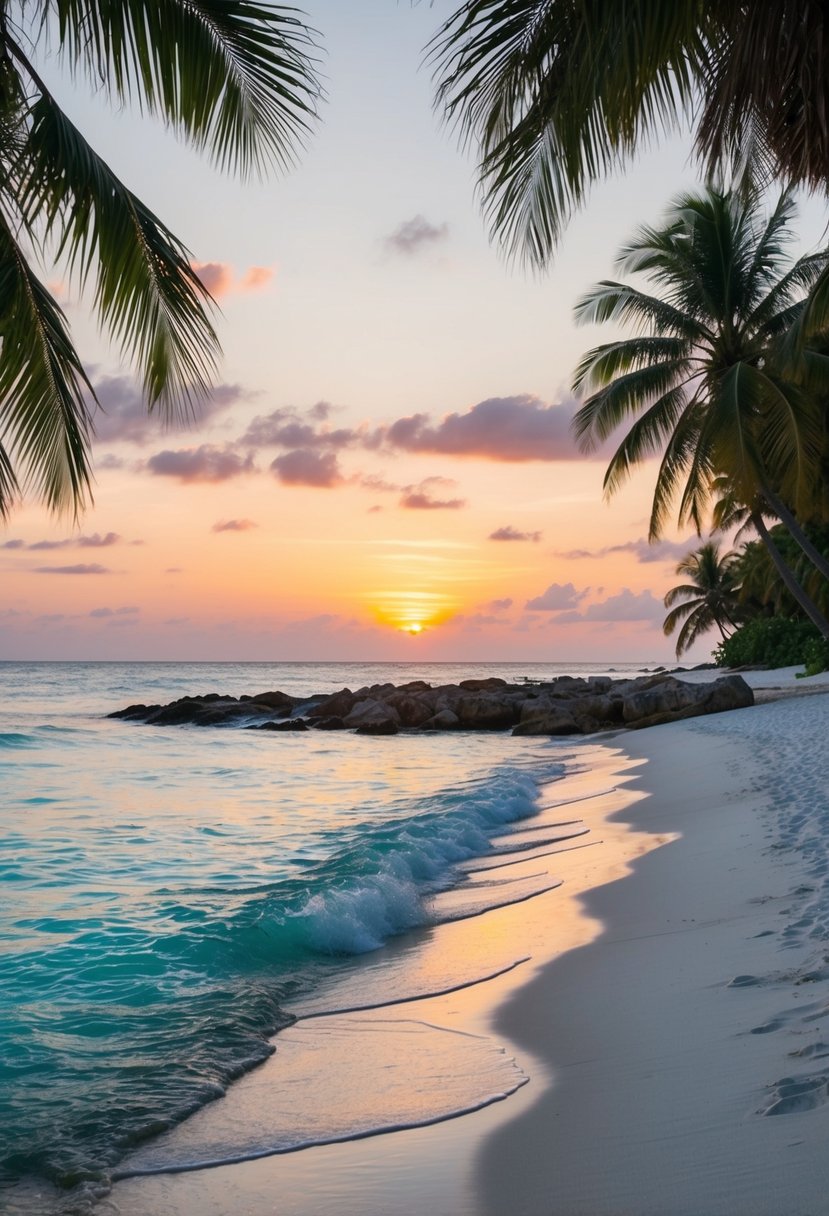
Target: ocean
{"points": [[173, 897]]}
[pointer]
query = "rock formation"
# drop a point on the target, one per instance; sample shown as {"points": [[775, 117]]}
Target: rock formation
{"points": [[567, 705]]}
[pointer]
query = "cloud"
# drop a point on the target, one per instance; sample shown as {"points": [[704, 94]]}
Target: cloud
{"points": [[207, 463], [498, 605], [305, 467], [220, 278], [79, 569], [643, 550], [509, 429], [510, 533], [285, 428], [557, 596], [95, 541], [415, 235], [234, 525], [379, 485], [128, 610], [421, 497], [124, 417], [625, 606]]}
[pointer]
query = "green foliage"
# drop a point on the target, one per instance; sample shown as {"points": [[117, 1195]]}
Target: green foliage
{"points": [[697, 382], [236, 79], [774, 641], [816, 657], [555, 95]]}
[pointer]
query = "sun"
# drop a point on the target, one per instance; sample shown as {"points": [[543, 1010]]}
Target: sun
{"points": [[413, 628]]}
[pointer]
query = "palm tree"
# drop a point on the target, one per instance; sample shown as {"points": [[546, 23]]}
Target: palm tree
{"points": [[236, 79], [557, 94], [700, 379], [709, 598]]}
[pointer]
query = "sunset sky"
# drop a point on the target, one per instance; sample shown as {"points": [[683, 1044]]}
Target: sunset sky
{"points": [[386, 469]]}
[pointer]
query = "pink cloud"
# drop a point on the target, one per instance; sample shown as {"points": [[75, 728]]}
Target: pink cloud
{"points": [[123, 415], [79, 569], [220, 278], [234, 525], [422, 497], [643, 550], [510, 429], [498, 605], [206, 463], [306, 467], [285, 428], [256, 277], [557, 597], [627, 605], [510, 533]]}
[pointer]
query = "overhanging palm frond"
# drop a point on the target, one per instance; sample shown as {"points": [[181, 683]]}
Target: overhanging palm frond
{"points": [[44, 420], [555, 95], [764, 91], [237, 79], [146, 291]]}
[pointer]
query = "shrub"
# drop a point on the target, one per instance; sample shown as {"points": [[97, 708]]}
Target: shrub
{"points": [[774, 641], [816, 656]]}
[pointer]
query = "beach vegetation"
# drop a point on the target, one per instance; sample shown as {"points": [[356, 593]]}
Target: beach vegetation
{"points": [[708, 599], [555, 96], [772, 641], [704, 382], [234, 78]]}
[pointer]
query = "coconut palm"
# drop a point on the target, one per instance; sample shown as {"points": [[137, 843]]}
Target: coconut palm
{"points": [[710, 597], [699, 380], [557, 94], [236, 79]]}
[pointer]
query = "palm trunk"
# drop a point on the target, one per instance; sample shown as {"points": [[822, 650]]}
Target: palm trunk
{"points": [[809, 607], [798, 535]]}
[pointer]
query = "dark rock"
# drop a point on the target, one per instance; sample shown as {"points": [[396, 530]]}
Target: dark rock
{"points": [[674, 700], [328, 724], [412, 710], [444, 719], [486, 712], [485, 685], [275, 700], [134, 711], [384, 727], [291, 724], [338, 705], [555, 722], [371, 712]]}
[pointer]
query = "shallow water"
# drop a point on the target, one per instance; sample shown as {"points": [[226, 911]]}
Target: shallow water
{"points": [[171, 897]]}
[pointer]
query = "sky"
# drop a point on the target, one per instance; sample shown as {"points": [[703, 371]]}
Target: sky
{"points": [[385, 470]]}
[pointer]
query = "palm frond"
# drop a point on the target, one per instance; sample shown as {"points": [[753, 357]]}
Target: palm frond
{"points": [[235, 79], [659, 391], [44, 419], [604, 363], [609, 301], [146, 293], [554, 96]]}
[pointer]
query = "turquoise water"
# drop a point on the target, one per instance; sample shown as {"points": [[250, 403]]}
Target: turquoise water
{"points": [[169, 897]]}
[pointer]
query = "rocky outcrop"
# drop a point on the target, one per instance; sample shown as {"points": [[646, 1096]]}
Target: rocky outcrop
{"points": [[568, 705]]}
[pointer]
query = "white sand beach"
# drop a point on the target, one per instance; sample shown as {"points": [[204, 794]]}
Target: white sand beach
{"points": [[673, 1019]]}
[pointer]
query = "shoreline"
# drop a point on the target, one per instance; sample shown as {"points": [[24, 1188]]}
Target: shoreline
{"points": [[580, 1137]]}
